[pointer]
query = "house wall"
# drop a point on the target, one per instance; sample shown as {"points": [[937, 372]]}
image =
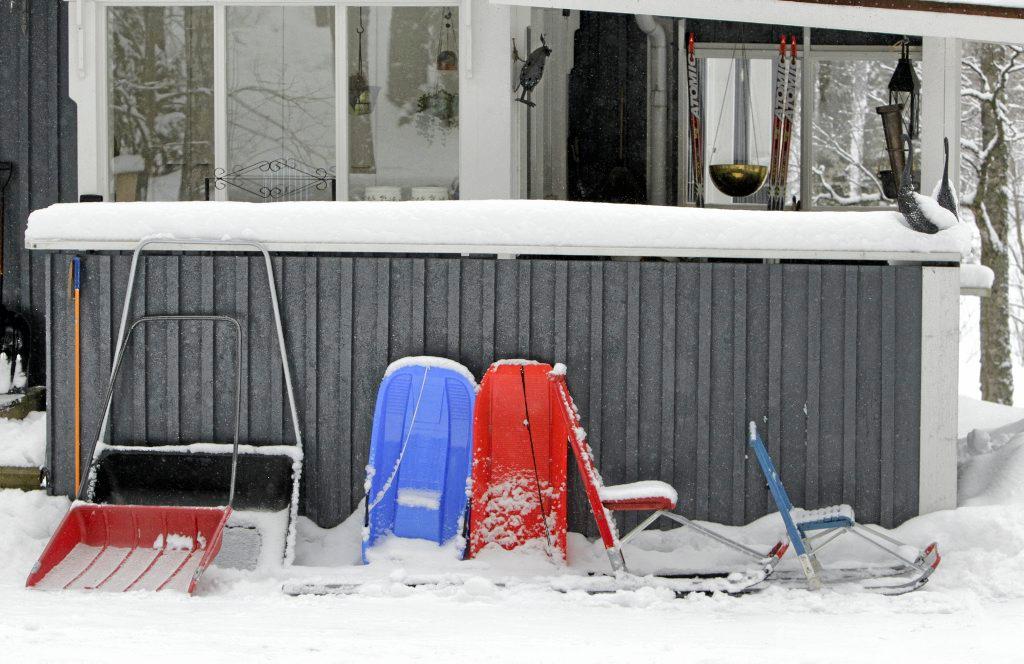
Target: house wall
{"points": [[37, 135], [667, 362]]}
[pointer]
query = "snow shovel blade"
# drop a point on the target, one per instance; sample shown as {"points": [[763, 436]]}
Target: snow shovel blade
{"points": [[117, 548]]}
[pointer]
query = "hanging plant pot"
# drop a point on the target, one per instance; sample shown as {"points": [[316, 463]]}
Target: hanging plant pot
{"points": [[359, 95], [441, 106]]}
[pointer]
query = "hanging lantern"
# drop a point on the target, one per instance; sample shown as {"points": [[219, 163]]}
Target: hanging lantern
{"points": [[358, 88], [905, 91], [448, 45]]}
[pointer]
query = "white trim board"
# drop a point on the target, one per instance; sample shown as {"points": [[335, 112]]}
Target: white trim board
{"points": [[512, 250], [814, 15], [940, 341]]}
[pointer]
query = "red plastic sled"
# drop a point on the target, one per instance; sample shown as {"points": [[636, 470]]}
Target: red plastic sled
{"points": [[519, 464], [117, 548]]}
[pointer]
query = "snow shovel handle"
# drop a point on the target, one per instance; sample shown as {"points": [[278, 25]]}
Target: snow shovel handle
{"points": [[108, 398]]}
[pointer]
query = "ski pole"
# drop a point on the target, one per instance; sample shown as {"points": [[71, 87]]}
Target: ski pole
{"points": [[75, 279]]}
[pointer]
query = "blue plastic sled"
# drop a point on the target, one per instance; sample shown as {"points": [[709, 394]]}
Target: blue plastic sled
{"points": [[420, 451]]}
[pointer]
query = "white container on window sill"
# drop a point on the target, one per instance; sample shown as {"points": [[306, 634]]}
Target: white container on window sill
{"points": [[383, 193], [429, 193]]}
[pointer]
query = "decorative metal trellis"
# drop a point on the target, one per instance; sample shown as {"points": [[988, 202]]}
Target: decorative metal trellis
{"points": [[275, 180]]}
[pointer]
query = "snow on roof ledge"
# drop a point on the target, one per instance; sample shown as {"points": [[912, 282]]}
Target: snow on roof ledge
{"points": [[500, 227]]}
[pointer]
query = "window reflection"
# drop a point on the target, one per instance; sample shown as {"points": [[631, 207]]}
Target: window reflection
{"points": [[280, 102], [403, 102], [160, 79]]}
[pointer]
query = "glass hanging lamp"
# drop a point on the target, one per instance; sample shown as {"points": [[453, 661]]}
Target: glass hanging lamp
{"points": [[905, 91], [358, 87]]}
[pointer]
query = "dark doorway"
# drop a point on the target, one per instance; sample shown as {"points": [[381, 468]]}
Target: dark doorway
{"points": [[607, 157]]}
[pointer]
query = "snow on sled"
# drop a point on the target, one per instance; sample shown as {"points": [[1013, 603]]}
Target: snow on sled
{"points": [[810, 531], [154, 517], [524, 426], [420, 452], [519, 466]]}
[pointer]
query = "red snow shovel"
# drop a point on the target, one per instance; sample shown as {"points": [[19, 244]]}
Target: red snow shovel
{"points": [[137, 547]]}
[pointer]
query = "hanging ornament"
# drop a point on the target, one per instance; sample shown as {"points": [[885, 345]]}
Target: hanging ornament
{"points": [[905, 90], [358, 88], [448, 45]]}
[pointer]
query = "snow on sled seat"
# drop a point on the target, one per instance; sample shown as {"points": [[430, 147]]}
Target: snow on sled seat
{"points": [[646, 495], [420, 451], [519, 464], [911, 571], [834, 516]]}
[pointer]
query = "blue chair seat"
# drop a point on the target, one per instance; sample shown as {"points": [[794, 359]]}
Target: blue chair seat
{"points": [[833, 516]]}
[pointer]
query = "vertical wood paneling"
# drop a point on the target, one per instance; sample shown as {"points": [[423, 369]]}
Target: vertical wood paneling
{"points": [[631, 341], [793, 376], [869, 376], [703, 450], [887, 397], [850, 299], [739, 393], [595, 385], [813, 388], [666, 450], [311, 405], [907, 393], [757, 389], [687, 342], [775, 336], [667, 361], [241, 286], [348, 482], [721, 419], [206, 351]]}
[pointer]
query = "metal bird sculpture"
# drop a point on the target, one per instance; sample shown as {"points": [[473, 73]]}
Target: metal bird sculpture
{"points": [[908, 205], [532, 71], [945, 196]]}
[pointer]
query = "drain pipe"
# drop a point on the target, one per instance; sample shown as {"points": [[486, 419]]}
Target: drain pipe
{"points": [[656, 136]]}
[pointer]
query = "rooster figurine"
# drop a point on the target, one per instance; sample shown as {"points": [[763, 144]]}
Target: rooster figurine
{"points": [[532, 71]]}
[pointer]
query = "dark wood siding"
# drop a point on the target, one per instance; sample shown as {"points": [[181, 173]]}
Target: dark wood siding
{"points": [[667, 362], [37, 135]]}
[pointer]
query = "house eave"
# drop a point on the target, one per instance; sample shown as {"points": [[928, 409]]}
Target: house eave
{"points": [[927, 18]]}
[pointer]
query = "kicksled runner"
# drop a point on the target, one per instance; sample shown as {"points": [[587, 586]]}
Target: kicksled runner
{"points": [[524, 424]]}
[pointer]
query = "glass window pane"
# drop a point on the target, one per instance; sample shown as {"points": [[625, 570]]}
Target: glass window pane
{"points": [[848, 143], [280, 103], [160, 102], [403, 102]]}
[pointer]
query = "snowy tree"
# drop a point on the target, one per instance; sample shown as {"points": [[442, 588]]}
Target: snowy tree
{"points": [[992, 95], [161, 94]]}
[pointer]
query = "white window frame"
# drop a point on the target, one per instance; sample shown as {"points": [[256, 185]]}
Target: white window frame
{"points": [[484, 166]]}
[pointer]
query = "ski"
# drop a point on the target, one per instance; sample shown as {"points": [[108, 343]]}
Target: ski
{"points": [[735, 583], [780, 103], [787, 128], [696, 136], [884, 580]]}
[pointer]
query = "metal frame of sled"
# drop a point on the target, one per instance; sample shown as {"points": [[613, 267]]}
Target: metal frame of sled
{"points": [[829, 524], [568, 420], [121, 547]]}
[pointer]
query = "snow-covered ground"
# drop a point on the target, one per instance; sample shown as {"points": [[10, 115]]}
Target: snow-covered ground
{"points": [[970, 611]]}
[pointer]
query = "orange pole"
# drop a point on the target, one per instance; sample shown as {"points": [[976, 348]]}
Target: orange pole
{"points": [[76, 278]]}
